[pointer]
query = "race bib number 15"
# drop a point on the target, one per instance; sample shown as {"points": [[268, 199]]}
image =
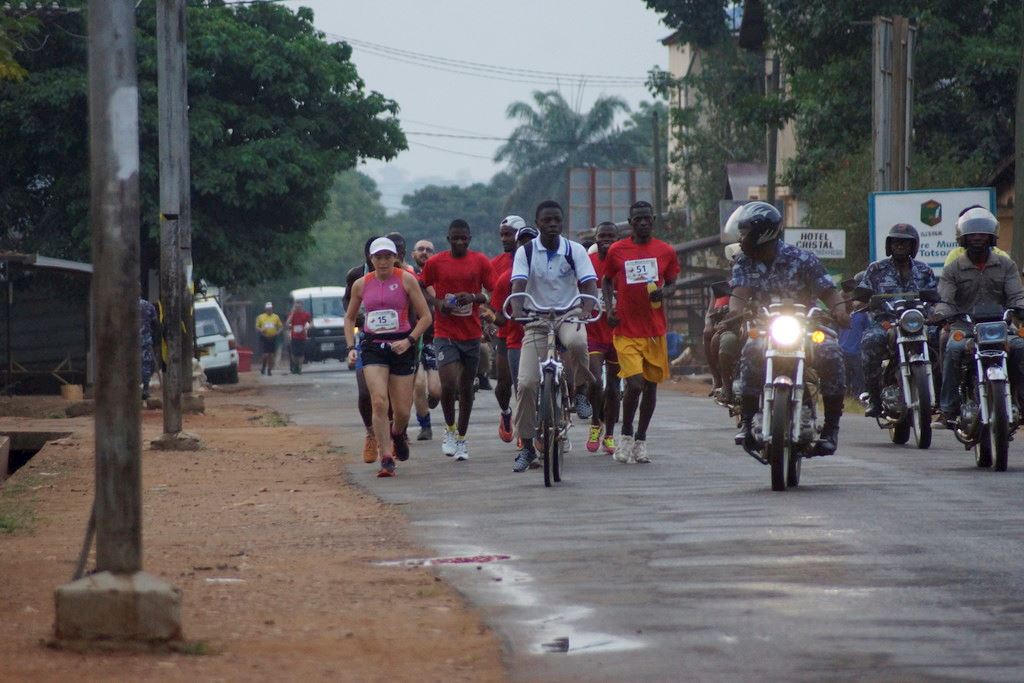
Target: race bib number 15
{"points": [[641, 270], [384, 320]]}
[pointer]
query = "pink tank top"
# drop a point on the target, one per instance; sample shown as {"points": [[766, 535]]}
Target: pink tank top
{"points": [[387, 306]]}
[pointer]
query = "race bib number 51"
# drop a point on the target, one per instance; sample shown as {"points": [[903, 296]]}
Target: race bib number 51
{"points": [[641, 270]]}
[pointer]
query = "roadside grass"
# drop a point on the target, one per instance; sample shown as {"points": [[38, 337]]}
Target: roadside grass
{"points": [[271, 419], [16, 504], [195, 648]]}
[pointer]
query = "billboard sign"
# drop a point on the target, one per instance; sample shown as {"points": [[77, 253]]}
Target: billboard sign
{"points": [[932, 212], [821, 243]]}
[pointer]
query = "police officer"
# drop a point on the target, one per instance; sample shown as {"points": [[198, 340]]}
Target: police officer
{"points": [[898, 273], [978, 277], [770, 267]]}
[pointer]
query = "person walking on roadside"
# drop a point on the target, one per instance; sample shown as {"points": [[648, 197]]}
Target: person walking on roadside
{"points": [[554, 271], [508, 229], [458, 276], [427, 386], [269, 325], [604, 364], [149, 335], [389, 296], [637, 271], [298, 323]]}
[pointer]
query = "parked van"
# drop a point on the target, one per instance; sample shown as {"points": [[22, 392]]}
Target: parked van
{"points": [[215, 342], [327, 332]]}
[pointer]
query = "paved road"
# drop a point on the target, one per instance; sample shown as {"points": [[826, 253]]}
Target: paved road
{"points": [[886, 564]]}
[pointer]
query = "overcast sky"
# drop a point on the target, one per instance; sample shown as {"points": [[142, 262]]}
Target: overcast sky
{"points": [[604, 38]]}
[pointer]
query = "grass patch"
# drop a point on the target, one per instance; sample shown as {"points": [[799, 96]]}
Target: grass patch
{"points": [[195, 648], [271, 419], [15, 520], [16, 505]]}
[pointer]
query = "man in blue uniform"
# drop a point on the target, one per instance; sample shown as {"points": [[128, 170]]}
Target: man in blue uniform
{"points": [[898, 273], [770, 267]]}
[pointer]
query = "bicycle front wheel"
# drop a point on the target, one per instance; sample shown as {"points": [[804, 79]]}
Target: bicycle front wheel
{"points": [[548, 415]]}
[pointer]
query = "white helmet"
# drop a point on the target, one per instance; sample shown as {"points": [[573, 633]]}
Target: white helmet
{"points": [[732, 251], [975, 221], [731, 231]]}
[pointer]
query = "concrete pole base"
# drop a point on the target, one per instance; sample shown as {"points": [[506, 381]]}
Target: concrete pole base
{"points": [[192, 403], [181, 441], [118, 608]]}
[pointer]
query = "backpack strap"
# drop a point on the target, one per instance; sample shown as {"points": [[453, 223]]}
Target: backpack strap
{"points": [[568, 255]]}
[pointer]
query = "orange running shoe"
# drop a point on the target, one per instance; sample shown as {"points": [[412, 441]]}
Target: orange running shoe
{"points": [[505, 427], [387, 467], [370, 448]]}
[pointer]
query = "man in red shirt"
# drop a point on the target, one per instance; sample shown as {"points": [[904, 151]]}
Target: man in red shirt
{"points": [[637, 270], [604, 398], [298, 324], [457, 276], [507, 231]]}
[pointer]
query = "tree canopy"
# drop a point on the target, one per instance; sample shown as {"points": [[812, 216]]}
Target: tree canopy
{"points": [[275, 112]]}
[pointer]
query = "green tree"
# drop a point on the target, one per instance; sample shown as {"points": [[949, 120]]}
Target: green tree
{"points": [[701, 22], [14, 31], [275, 113]]}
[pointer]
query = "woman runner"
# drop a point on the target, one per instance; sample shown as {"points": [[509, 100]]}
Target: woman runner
{"points": [[388, 349]]}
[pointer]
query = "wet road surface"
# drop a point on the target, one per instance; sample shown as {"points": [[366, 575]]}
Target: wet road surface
{"points": [[887, 563]]}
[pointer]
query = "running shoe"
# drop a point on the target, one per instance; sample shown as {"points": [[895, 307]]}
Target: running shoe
{"points": [[524, 460], [608, 445], [461, 450], [583, 408], [370, 448], [624, 451], [448, 443], [426, 434], [640, 453], [387, 467], [505, 427], [401, 446], [594, 440]]}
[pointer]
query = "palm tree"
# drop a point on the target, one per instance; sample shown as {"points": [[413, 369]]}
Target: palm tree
{"points": [[552, 137]]}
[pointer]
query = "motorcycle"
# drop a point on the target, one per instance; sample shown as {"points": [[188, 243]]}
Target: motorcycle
{"points": [[988, 416], [786, 428], [908, 387]]}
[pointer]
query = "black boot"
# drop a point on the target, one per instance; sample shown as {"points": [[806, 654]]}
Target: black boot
{"points": [[828, 440], [874, 407], [745, 437]]}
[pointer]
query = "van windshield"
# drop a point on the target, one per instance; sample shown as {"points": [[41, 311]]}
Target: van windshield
{"points": [[209, 321], [326, 306]]}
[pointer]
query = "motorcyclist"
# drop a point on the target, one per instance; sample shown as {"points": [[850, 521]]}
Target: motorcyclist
{"points": [[899, 272], [770, 267], [722, 344], [979, 277]]}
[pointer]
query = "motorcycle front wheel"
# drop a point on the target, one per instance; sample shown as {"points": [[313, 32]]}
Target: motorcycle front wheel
{"points": [[1000, 425], [780, 449], [920, 418]]}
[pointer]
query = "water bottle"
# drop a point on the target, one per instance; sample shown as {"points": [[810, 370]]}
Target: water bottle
{"points": [[651, 286]]}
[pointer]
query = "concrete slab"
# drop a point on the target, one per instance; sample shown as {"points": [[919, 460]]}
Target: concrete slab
{"points": [[135, 607]]}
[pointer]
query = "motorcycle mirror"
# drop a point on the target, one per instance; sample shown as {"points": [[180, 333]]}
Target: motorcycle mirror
{"points": [[863, 294], [929, 296], [722, 288]]}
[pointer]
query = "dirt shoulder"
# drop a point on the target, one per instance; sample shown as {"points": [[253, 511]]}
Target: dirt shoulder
{"points": [[273, 549]]}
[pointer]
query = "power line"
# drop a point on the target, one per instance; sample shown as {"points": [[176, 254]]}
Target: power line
{"points": [[451, 151], [506, 139]]}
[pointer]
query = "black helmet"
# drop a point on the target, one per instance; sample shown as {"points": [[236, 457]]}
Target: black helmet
{"points": [[758, 222], [902, 231], [977, 221]]}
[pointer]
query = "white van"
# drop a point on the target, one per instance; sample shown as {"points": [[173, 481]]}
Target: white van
{"points": [[327, 332], [215, 342]]}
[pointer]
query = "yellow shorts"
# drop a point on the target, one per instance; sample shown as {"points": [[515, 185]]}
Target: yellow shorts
{"points": [[643, 355]]}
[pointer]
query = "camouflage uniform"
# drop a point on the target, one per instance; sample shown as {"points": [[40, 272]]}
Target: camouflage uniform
{"points": [[798, 275], [883, 277], [147, 322]]}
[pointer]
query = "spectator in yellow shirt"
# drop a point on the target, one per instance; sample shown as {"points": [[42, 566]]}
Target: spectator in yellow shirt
{"points": [[269, 325]]}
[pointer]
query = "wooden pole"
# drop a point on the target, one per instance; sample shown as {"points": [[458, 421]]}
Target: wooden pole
{"points": [[1017, 245], [170, 56], [658, 173], [773, 131], [114, 221]]}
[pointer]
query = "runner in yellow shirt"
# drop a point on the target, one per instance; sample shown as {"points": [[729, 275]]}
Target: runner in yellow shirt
{"points": [[269, 325]]}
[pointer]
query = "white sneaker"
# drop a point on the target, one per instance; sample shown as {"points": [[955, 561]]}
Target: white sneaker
{"points": [[448, 443], [640, 453], [461, 451], [624, 451]]}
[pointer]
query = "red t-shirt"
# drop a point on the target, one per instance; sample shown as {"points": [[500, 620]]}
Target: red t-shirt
{"points": [[599, 332], [297, 323], [502, 262], [450, 275], [630, 266], [512, 332]]}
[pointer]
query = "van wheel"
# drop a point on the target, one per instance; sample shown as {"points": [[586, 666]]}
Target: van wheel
{"points": [[231, 376]]}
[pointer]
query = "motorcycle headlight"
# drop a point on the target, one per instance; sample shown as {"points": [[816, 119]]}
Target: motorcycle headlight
{"points": [[786, 330], [912, 322], [990, 333]]}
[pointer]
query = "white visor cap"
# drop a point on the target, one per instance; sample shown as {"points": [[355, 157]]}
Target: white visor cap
{"points": [[382, 244]]}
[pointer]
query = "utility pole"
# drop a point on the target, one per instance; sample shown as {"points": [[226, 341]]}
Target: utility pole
{"points": [[772, 90], [119, 602], [892, 101], [658, 198], [1017, 245]]}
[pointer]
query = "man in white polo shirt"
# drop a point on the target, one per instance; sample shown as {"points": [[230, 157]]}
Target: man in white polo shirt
{"points": [[554, 271]]}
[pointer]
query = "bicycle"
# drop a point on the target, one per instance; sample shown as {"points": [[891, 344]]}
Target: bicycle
{"points": [[554, 407]]}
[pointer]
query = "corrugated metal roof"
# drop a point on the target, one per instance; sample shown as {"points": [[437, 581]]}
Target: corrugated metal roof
{"points": [[46, 262]]}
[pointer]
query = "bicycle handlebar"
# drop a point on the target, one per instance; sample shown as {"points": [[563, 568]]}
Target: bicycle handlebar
{"points": [[552, 313]]}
